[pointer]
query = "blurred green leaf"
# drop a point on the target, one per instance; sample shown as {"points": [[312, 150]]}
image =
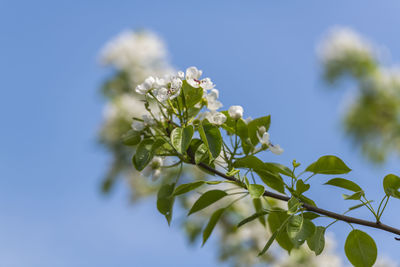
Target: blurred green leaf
{"points": [[211, 224], [165, 201], [256, 190], [360, 249], [131, 138], [207, 199], [184, 188], [143, 154], [316, 242]]}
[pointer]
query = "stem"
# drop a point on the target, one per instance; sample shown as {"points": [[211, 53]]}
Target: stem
{"points": [[308, 207]]}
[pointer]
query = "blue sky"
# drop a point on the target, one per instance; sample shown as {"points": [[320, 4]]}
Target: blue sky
{"points": [[261, 55]]}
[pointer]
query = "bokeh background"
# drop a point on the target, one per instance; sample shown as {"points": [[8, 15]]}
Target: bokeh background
{"points": [[261, 55]]}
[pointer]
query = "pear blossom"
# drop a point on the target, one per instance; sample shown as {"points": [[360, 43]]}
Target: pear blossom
{"points": [[276, 149], [137, 126], [193, 78], [148, 120], [264, 139], [212, 100], [236, 112], [171, 91], [146, 86], [215, 117], [154, 168]]}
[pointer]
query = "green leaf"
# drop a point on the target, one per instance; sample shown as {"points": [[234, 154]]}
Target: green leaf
{"points": [[191, 95], [310, 215], [355, 196], [360, 249], [254, 125], [275, 221], [211, 224], [278, 168], [328, 165], [165, 201], [249, 162], [360, 205], [211, 137], [258, 208], [194, 145], [269, 242], [253, 217], [184, 188], [274, 181], [181, 137], [207, 199], [143, 154], [316, 242], [201, 154], [299, 229], [293, 205], [301, 187], [344, 183], [256, 190], [307, 200], [391, 185], [131, 138]]}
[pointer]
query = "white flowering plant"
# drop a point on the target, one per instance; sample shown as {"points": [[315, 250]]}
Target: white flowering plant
{"points": [[183, 126]]}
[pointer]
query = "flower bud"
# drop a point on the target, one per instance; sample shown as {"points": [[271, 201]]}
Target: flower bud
{"points": [[235, 112]]}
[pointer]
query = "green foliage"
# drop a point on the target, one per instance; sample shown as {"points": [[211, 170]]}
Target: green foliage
{"points": [[181, 137], [212, 138], [360, 249], [316, 242], [299, 229], [256, 190], [207, 199], [165, 201], [211, 224], [131, 138], [144, 153], [184, 188], [328, 165], [278, 221], [256, 215], [391, 185], [344, 183], [255, 124]]}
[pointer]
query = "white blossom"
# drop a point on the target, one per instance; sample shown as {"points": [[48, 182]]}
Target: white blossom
{"points": [[171, 90], [193, 78], [276, 149], [212, 100], [215, 117], [235, 112], [146, 86], [264, 139], [138, 126], [148, 120], [153, 169], [341, 43]]}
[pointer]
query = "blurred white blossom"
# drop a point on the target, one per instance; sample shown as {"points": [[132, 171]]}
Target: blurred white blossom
{"points": [[236, 112]]}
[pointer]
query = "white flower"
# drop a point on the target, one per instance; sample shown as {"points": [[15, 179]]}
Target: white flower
{"points": [[138, 126], [276, 149], [148, 120], [264, 139], [154, 168], [236, 112], [181, 75], [143, 88], [193, 78], [341, 43], [171, 91], [215, 117], [212, 100]]}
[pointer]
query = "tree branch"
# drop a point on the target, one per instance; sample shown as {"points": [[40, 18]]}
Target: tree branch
{"points": [[308, 207]]}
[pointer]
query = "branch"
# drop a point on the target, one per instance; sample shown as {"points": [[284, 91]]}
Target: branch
{"points": [[308, 207]]}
